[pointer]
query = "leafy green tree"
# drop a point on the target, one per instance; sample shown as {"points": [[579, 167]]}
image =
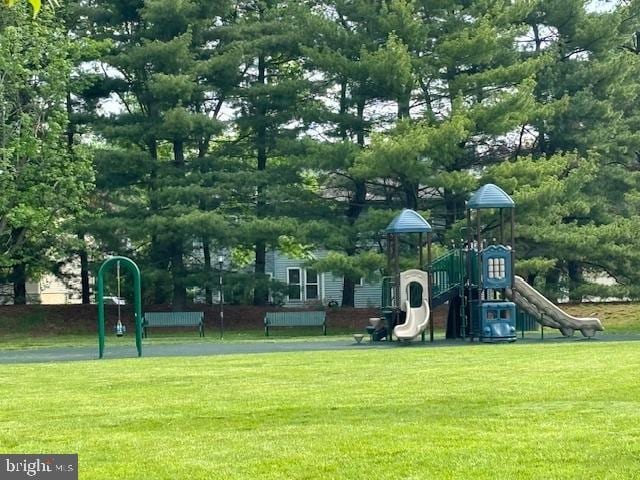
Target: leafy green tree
{"points": [[44, 185], [36, 5], [339, 113]]}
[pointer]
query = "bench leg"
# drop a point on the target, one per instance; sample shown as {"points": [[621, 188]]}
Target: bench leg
{"points": [[266, 330], [324, 329], [202, 330]]}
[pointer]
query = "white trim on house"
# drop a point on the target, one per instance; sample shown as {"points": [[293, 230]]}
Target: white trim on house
{"points": [[270, 277]]}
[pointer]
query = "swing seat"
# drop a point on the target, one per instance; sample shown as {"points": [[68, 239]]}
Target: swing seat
{"points": [[120, 330], [173, 319]]}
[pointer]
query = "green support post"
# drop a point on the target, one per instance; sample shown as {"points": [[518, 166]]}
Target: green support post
{"points": [[137, 301]]}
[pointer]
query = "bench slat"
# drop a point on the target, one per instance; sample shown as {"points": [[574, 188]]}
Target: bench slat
{"points": [[295, 319], [174, 319]]}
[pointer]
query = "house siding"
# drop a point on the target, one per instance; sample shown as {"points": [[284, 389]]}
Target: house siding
{"points": [[329, 285], [333, 288], [368, 296]]}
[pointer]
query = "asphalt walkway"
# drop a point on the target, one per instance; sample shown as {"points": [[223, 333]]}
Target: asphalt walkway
{"points": [[62, 354], [65, 354]]}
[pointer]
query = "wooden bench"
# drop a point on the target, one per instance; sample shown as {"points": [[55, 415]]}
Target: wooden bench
{"points": [[295, 319], [173, 319]]}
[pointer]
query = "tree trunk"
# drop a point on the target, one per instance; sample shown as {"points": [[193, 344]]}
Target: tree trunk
{"points": [[541, 140], [404, 102], [178, 271], [454, 206], [360, 128], [355, 208], [261, 291], [158, 251], [411, 196], [85, 289], [19, 278], [574, 269], [84, 272], [410, 190], [178, 153], [552, 280], [348, 293], [531, 279], [343, 109]]}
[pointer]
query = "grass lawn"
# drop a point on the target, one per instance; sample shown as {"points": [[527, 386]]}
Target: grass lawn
{"points": [[542, 411]]}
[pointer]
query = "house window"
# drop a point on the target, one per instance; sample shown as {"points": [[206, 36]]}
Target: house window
{"points": [[311, 285], [293, 280]]}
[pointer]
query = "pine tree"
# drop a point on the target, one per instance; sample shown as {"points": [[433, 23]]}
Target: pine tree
{"points": [[362, 63], [588, 92], [160, 68], [273, 102]]}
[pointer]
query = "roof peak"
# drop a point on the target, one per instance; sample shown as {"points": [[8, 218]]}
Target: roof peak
{"points": [[490, 196], [408, 221]]}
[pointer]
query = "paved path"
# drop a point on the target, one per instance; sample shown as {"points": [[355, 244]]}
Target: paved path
{"points": [[55, 354]]}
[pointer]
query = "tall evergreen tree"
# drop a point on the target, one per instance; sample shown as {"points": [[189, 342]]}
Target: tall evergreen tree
{"points": [[341, 112], [474, 89], [588, 94], [160, 68], [273, 102], [362, 64]]}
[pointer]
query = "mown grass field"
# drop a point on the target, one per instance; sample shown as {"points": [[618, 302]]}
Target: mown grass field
{"points": [[554, 410]]}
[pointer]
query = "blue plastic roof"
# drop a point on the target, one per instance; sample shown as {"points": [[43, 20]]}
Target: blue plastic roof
{"points": [[490, 196], [408, 221]]}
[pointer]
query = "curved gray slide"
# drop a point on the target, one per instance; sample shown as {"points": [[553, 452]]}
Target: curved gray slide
{"points": [[549, 314]]}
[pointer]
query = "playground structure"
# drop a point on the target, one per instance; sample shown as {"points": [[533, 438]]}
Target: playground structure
{"points": [[486, 299]]}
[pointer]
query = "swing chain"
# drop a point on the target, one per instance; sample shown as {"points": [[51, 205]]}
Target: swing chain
{"points": [[119, 327]]}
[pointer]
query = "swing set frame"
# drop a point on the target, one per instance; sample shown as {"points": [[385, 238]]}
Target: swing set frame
{"points": [[133, 268]]}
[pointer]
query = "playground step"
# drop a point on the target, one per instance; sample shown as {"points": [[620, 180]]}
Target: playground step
{"points": [[445, 296]]}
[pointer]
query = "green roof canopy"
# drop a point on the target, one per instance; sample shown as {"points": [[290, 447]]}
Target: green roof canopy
{"points": [[490, 196], [408, 221]]}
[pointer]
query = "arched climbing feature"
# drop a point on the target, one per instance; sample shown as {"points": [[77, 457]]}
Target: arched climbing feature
{"points": [[133, 268]]}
